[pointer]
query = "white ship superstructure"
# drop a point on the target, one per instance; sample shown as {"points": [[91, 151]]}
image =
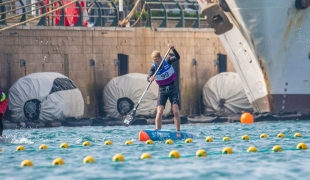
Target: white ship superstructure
{"points": [[268, 42]]}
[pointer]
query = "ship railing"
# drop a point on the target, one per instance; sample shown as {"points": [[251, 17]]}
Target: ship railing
{"points": [[183, 13], [89, 13], [58, 13]]}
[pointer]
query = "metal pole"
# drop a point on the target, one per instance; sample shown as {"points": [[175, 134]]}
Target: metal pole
{"points": [[121, 5], [121, 10]]}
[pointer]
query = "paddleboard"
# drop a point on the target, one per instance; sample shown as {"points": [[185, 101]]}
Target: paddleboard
{"points": [[159, 135]]}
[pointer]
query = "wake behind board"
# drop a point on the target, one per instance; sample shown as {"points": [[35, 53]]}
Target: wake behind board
{"points": [[158, 135]]}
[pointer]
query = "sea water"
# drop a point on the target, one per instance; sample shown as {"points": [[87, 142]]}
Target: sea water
{"points": [[265, 164]]}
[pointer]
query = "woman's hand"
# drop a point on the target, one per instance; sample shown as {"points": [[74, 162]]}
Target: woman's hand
{"points": [[151, 78], [171, 46]]}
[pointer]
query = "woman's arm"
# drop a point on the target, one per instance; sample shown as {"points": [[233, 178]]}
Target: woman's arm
{"points": [[176, 56], [151, 72]]}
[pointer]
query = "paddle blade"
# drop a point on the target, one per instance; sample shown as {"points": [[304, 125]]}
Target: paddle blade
{"points": [[129, 118]]}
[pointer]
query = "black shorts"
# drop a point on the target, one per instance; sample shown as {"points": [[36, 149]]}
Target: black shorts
{"points": [[166, 92]]}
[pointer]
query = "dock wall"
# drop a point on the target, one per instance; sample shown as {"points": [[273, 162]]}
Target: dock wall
{"points": [[67, 50]]}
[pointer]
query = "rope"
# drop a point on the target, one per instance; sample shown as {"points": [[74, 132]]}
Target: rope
{"points": [[126, 19], [143, 10], [42, 15], [8, 2], [21, 7], [218, 153]]}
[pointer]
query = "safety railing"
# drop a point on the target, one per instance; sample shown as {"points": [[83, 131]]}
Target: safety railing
{"points": [[59, 13], [103, 12], [174, 10], [95, 13]]}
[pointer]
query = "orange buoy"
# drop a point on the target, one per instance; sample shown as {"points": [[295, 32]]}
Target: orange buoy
{"points": [[246, 118]]}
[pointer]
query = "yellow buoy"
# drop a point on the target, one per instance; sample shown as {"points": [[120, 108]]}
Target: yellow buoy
{"points": [[26, 163], [86, 143], [188, 140], [108, 142], [0, 150], [58, 161], [118, 158], [226, 139], [297, 135], [129, 142], [252, 149], [145, 156], [149, 142], [245, 137], [64, 145], [209, 139], [301, 146], [169, 141], [174, 154], [43, 147], [227, 150], [201, 153], [262, 136], [88, 159], [280, 135], [277, 148], [246, 118], [20, 148]]}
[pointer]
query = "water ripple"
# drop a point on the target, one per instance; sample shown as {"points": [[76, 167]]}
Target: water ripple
{"points": [[289, 164]]}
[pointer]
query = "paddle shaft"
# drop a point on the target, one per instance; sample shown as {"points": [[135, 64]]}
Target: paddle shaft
{"points": [[152, 81]]}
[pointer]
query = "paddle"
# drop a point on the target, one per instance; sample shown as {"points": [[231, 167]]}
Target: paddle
{"points": [[130, 117]]}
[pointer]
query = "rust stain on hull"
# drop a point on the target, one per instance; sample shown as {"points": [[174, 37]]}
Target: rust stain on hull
{"points": [[288, 30], [274, 102], [295, 19], [265, 103]]}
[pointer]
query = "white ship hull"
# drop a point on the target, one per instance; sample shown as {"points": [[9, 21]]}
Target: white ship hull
{"points": [[269, 46]]}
